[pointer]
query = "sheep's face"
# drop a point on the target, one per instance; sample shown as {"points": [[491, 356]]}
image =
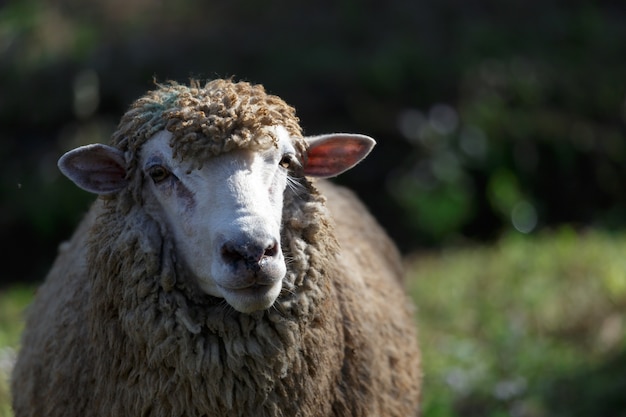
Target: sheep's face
{"points": [[225, 217]]}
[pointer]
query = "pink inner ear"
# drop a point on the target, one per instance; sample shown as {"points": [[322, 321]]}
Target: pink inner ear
{"points": [[95, 168], [99, 165], [336, 154], [106, 175]]}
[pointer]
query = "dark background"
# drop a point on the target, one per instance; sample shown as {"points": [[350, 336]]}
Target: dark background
{"points": [[490, 115]]}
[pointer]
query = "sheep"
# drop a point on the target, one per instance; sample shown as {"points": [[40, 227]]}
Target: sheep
{"points": [[218, 273]]}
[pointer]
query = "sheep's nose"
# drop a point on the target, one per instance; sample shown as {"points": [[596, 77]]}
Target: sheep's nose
{"points": [[254, 254]]}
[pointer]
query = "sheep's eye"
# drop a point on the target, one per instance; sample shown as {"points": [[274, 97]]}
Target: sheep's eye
{"points": [[158, 173], [286, 161]]}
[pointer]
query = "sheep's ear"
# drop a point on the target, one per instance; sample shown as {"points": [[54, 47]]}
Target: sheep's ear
{"points": [[99, 169], [332, 154]]}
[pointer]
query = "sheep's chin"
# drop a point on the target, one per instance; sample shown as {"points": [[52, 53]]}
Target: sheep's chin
{"points": [[253, 298]]}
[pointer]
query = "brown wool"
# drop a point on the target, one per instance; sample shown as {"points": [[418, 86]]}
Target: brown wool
{"points": [[120, 329]]}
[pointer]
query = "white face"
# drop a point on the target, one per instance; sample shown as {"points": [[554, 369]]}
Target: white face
{"points": [[225, 218]]}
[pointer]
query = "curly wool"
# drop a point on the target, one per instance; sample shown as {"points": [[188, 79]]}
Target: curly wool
{"points": [[206, 120], [259, 363], [119, 328], [256, 359]]}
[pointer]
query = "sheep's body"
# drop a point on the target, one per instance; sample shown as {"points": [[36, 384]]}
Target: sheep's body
{"points": [[119, 328]]}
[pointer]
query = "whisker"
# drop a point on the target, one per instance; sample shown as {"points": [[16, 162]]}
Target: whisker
{"points": [[295, 186]]}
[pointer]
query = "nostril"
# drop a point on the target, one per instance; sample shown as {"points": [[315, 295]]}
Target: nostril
{"points": [[248, 252], [230, 254], [271, 251]]}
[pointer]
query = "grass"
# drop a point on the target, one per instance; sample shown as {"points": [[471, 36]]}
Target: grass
{"points": [[525, 327], [528, 327], [13, 302]]}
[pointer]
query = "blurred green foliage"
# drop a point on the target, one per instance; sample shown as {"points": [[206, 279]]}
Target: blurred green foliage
{"points": [[13, 302], [533, 326]]}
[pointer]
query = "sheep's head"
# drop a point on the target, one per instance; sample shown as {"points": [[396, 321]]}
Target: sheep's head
{"points": [[223, 209]]}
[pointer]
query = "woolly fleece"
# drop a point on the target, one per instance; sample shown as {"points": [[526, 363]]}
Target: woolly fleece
{"points": [[119, 329]]}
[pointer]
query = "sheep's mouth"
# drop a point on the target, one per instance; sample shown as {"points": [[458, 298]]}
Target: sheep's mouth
{"points": [[252, 289], [253, 297]]}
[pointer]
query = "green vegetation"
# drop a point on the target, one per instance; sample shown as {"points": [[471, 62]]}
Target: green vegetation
{"points": [[532, 326], [13, 302]]}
